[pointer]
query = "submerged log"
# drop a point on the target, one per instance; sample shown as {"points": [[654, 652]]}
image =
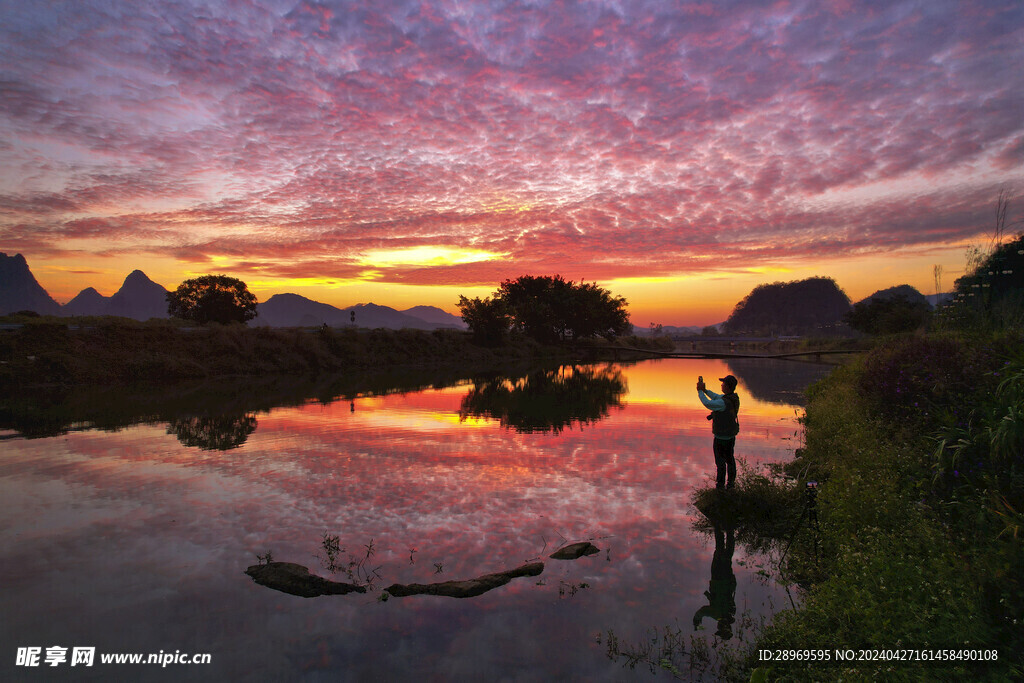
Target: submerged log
{"points": [[295, 579], [575, 551], [465, 589]]}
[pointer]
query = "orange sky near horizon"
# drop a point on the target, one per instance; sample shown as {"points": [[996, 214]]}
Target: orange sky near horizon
{"points": [[701, 299]]}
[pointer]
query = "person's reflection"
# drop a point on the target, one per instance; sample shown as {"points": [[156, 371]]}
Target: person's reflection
{"points": [[721, 593]]}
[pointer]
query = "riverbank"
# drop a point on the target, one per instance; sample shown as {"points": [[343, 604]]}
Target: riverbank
{"points": [[105, 351], [917, 449]]}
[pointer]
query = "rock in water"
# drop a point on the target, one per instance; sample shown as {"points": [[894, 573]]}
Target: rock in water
{"points": [[465, 589], [295, 579], [575, 551]]}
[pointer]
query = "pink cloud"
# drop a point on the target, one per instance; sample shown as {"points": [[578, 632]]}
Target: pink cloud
{"points": [[634, 137]]}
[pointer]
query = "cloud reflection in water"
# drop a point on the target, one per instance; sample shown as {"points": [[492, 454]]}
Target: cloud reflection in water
{"points": [[132, 530]]}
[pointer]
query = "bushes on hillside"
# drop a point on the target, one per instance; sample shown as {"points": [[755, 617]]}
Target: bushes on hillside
{"points": [[915, 378]]}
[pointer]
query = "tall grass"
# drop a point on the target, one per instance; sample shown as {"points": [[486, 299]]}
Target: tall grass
{"points": [[918, 450]]}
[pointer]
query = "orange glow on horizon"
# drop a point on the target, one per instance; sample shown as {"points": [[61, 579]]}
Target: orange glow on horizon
{"points": [[696, 299]]}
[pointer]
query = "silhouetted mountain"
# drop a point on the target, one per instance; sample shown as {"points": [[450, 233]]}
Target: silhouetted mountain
{"points": [[906, 291], [86, 302], [19, 290], [293, 310], [139, 298], [433, 314], [811, 306], [374, 315]]}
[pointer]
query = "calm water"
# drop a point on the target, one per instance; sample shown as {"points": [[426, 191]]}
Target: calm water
{"points": [[135, 538]]}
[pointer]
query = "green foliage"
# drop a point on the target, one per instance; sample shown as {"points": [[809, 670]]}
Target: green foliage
{"points": [[919, 547], [980, 444], [762, 504], [888, 315], [917, 377], [212, 298], [547, 309], [811, 306]]}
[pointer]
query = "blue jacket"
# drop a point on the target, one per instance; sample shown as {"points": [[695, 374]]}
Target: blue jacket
{"points": [[725, 422]]}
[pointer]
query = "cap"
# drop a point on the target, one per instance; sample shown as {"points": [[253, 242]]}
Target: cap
{"points": [[729, 380]]}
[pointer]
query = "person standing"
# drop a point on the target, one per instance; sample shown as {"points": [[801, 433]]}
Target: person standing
{"points": [[725, 408]]}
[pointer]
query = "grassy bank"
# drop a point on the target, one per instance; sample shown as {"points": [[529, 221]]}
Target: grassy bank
{"points": [[918, 451], [117, 350]]}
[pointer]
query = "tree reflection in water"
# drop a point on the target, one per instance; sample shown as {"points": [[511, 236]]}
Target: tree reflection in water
{"points": [[547, 400], [221, 433]]}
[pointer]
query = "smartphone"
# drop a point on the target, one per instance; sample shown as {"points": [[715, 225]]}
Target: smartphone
{"points": [[700, 378]]}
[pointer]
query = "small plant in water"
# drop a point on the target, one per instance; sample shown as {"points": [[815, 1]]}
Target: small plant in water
{"points": [[332, 549], [356, 568], [570, 589], [265, 559]]}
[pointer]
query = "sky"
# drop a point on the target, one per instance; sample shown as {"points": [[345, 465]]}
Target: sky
{"points": [[405, 153]]}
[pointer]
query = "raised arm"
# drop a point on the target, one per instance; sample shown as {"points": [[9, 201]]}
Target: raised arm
{"points": [[711, 400]]}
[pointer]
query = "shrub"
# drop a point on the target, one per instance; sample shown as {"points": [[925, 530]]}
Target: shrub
{"points": [[914, 378]]}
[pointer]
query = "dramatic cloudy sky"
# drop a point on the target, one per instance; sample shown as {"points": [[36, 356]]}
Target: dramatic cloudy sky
{"points": [[678, 153]]}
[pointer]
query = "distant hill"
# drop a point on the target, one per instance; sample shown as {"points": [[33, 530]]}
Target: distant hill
{"points": [[433, 314], [374, 315], [906, 291], [294, 310], [19, 290], [141, 298], [86, 302], [804, 307]]}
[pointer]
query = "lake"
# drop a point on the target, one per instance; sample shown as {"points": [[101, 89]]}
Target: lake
{"points": [[130, 530]]}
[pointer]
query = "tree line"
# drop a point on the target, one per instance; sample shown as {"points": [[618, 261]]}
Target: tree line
{"points": [[545, 308]]}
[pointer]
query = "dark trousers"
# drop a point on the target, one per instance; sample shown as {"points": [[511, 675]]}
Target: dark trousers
{"points": [[725, 461]]}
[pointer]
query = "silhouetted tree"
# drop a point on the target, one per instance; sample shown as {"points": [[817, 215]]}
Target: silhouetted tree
{"points": [[991, 292], [888, 315], [547, 309], [487, 318], [590, 311], [997, 277], [212, 298]]}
